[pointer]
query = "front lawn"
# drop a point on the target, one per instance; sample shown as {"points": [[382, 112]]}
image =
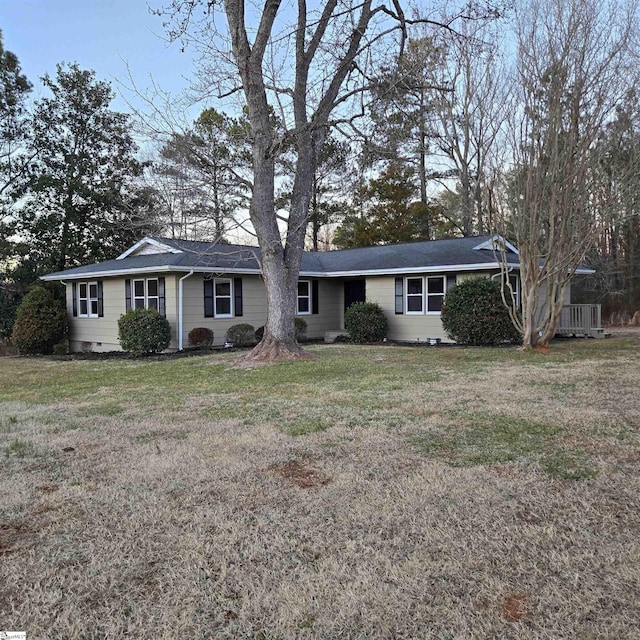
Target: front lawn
{"points": [[373, 492]]}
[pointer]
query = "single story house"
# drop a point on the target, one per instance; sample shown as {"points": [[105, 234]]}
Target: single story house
{"points": [[215, 285]]}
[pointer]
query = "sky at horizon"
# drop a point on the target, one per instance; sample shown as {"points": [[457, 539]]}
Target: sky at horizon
{"points": [[103, 35]]}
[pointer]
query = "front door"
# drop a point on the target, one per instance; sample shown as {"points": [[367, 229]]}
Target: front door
{"points": [[354, 291]]}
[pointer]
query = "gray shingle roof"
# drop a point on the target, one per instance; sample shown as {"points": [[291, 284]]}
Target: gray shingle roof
{"points": [[412, 255], [228, 258]]}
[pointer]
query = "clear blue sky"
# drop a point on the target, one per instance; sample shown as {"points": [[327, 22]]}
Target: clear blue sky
{"points": [[103, 35]]}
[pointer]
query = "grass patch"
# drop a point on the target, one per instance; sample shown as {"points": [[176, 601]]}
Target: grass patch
{"points": [[303, 428], [8, 424], [182, 496], [152, 436], [485, 439], [107, 410], [19, 449], [573, 465]]}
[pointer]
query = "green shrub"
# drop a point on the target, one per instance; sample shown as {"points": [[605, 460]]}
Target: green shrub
{"points": [[473, 313], [61, 348], [143, 331], [201, 337], [301, 328], [241, 335], [41, 322], [365, 322]]}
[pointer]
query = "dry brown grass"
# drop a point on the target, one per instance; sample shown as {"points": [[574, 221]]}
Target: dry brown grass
{"points": [[409, 504]]}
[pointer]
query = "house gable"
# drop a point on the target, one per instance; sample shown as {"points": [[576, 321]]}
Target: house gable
{"points": [[146, 247], [496, 243]]}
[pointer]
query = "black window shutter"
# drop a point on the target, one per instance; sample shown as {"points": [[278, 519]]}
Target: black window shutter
{"points": [[399, 295], [127, 294], [208, 298], [162, 305], [314, 296], [74, 295], [100, 300], [237, 296], [451, 281]]}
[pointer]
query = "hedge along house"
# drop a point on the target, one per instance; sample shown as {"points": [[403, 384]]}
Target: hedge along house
{"points": [[215, 285]]}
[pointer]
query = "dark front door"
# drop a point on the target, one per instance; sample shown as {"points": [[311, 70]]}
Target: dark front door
{"points": [[354, 291]]}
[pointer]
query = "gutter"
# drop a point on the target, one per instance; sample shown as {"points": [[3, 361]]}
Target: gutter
{"points": [[482, 266], [180, 305]]}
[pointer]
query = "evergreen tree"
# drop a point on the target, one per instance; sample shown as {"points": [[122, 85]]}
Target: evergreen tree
{"points": [[391, 214], [77, 196], [201, 174], [14, 89]]}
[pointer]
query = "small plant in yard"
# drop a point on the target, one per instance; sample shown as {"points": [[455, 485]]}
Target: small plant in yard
{"points": [[40, 324], [241, 335], [18, 449], [301, 328], [365, 322], [61, 348], [201, 337], [474, 313], [143, 331]]}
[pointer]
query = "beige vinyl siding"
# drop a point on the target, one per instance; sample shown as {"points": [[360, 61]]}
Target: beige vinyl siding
{"points": [[330, 309], [101, 334], [542, 299], [254, 299], [403, 327], [97, 334], [472, 275], [254, 303]]}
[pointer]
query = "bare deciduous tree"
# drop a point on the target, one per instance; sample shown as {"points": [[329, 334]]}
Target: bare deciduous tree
{"points": [[574, 58], [308, 68]]}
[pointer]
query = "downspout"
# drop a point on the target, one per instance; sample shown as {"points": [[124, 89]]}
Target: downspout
{"points": [[180, 305]]}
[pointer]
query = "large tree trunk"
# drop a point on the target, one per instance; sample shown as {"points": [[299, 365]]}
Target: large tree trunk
{"points": [[281, 262], [279, 340]]}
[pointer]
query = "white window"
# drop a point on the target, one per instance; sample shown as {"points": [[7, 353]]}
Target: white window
{"points": [[425, 294], [222, 298], [88, 299], [436, 287], [153, 299], [304, 298], [146, 294], [415, 295]]}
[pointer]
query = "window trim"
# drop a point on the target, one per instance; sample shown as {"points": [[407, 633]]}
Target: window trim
{"points": [[407, 295], [227, 297], [434, 295], [145, 297], [88, 299], [424, 295], [308, 297]]}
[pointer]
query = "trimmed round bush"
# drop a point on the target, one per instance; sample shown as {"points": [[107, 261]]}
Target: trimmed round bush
{"points": [[41, 322], [143, 331], [301, 328], [473, 313], [201, 337], [241, 335], [365, 322]]}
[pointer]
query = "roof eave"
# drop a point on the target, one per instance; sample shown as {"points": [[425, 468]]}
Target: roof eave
{"points": [[134, 271]]}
